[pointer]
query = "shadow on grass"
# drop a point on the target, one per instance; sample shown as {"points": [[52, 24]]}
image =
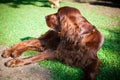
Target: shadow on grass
{"points": [[110, 57], [109, 73], [113, 41], [16, 3], [26, 38], [108, 3]]}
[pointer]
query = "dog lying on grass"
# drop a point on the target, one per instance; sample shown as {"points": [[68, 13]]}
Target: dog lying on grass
{"points": [[71, 40]]}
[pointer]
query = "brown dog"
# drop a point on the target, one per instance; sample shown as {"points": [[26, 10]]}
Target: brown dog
{"points": [[72, 40]]}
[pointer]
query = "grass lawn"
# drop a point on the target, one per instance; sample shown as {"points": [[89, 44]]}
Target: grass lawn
{"points": [[26, 18]]}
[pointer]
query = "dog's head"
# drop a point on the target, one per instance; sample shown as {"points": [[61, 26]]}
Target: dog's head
{"points": [[64, 15], [70, 23]]}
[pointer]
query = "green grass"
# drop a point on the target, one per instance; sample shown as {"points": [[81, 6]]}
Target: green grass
{"points": [[26, 18]]}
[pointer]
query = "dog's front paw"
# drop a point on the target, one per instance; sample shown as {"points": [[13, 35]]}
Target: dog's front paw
{"points": [[14, 63], [16, 53], [7, 53]]}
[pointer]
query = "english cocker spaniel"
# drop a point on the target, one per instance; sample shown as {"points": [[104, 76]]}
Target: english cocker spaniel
{"points": [[72, 40]]}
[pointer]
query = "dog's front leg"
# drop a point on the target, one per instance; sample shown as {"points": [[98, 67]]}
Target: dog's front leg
{"points": [[18, 49], [46, 55]]}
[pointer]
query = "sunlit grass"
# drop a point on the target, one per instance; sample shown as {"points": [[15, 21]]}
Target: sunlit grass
{"points": [[22, 21]]}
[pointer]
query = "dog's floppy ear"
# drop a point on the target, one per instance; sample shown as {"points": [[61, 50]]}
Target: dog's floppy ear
{"points": [[63, 24]]}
